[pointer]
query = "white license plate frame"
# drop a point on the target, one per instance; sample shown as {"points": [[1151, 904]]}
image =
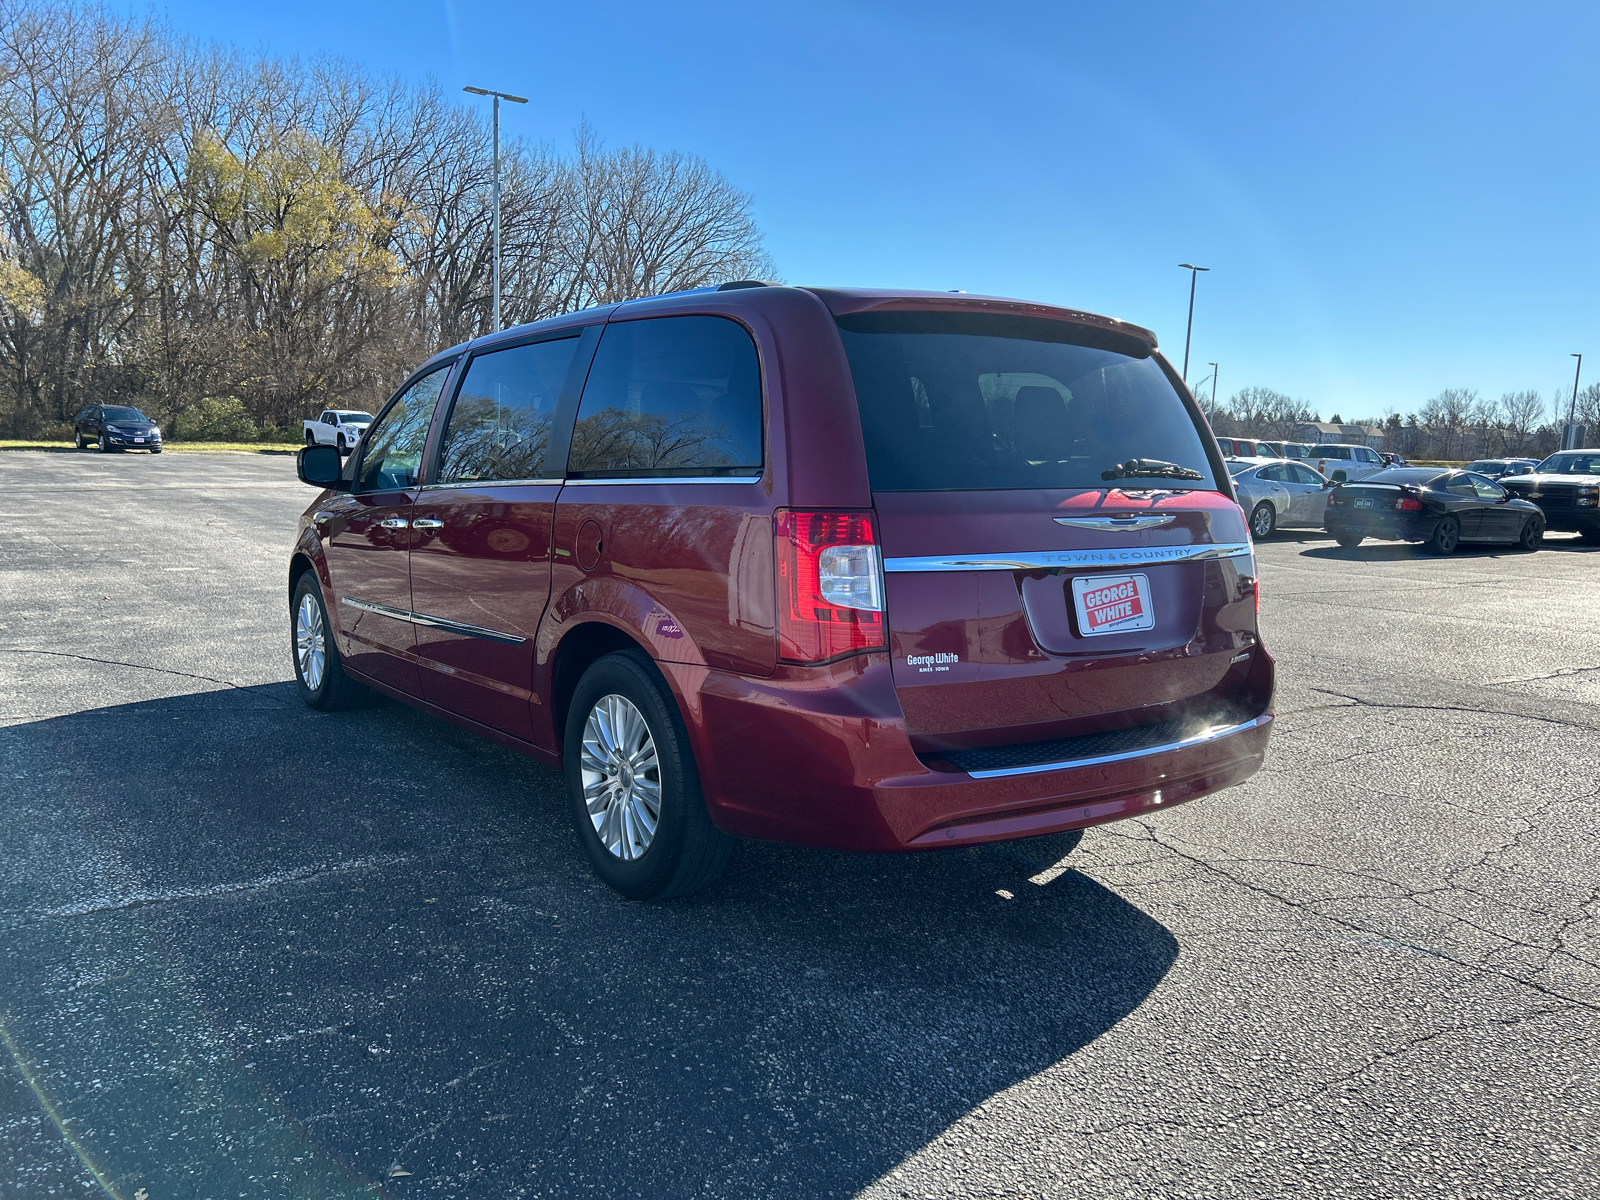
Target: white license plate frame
{"points": [[1097, 611]]}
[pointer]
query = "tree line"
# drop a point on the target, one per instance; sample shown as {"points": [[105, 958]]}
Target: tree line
{"points": [[231, 242], [1458, 423]]}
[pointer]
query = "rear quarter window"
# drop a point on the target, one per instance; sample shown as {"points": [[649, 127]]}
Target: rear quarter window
{"points": [[670, 397], [964, 401]]}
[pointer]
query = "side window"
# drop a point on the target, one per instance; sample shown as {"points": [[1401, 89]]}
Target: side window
{"points": [[499, 426], [1486, 489], [1369, 456], [1271, 474], [1305, 475], [1460, 485], [670, 396], [394, 445]]}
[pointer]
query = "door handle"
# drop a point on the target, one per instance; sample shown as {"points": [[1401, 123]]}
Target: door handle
{"points": [[427, 523], [394, 523]]}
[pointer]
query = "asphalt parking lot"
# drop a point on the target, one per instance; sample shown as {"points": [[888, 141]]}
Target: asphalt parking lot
{"points": [[251, 950]]}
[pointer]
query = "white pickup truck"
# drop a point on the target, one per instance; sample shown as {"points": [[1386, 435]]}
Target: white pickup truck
{"points": [[341, 427]]}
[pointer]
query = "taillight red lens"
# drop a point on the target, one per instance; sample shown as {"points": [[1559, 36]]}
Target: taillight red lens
{"points": [[830, 585], [1408, 504]]}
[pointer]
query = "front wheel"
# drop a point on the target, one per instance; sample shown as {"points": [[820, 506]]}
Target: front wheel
{"points": [[1446, 536], [343, 448], [632, 786], [1532, 535], [1592, 536], [318, 668], [105, 444], [1263, 520]]}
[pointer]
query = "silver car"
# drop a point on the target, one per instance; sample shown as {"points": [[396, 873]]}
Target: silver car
{"points": [[1281, 492]]}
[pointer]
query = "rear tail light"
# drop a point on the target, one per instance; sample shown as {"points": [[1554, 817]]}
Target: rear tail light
{"points": [[1335, 499], [830, 585], [1408, 504]]}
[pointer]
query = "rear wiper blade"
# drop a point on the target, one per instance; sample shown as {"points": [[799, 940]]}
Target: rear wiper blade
{"points": [[1150, 468]]}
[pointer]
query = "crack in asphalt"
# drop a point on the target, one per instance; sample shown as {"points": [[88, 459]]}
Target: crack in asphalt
{"points": [[141, 899], [111, 662], [1502, 712]]}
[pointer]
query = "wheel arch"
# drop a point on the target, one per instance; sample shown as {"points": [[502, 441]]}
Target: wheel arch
{"points": [[585, 644]]}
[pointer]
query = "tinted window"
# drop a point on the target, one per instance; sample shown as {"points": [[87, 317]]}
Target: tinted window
{"points": [[394, 444], [1458, 485], [958, 401], [1486, 489], [1333, 452], [499, 426], [670, 396]]}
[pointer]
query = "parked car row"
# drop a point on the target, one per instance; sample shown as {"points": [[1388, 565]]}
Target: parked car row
{"points": [[1438, 507]]}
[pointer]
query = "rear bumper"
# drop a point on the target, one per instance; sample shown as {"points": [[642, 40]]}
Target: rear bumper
{"points": [[1389, 528], [822, 759]]}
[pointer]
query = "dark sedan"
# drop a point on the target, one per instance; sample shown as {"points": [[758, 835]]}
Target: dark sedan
{"points": [[1566, 487], [116, 427], [1439, 508]]}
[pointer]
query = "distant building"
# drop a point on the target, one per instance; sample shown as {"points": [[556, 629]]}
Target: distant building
{"points": [[1345, 435]]}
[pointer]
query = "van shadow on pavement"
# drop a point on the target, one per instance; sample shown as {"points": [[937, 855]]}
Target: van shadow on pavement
{"points": [[377, 933]]}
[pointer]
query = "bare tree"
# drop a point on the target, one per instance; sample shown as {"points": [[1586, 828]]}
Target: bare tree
{"points": [[1446, 417], [1521, 413]]}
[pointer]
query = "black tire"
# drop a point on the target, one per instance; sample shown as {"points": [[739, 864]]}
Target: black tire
{"points": [[1532, 535], [1263, 521], [155, 450], [335, 690], [1348, 541], [686, 852], [78, 439], [344, 449], [105, 444], [311, 438], [1446, 536]]}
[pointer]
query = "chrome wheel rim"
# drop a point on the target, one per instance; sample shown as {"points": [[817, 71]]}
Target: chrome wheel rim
{"points": [[621, 777], [310, 641], [1263, 525]]}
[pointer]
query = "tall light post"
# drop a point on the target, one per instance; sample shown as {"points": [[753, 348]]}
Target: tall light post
{"points": [[498, 96], [1213, 367], [1194, 274], [1569, 434]]}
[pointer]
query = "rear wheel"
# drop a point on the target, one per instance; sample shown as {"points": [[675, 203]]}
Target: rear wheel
{"points": [[1263, 520], [1446, 536], [311, 438], [1348, 540], [1532, 536], [632, 786], [318, 669], [79, 439]]}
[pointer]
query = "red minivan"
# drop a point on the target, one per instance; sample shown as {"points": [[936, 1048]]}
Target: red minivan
{"points": [[867, 570]]}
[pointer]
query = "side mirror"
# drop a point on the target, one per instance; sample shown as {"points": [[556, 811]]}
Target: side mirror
{"points": [[320, 466]]}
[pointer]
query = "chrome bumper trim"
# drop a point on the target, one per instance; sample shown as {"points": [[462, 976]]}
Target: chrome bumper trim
{"points": [[1118, 556], [1210, 735], [413, 618]]}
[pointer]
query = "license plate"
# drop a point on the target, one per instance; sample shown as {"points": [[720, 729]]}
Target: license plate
{"points": [[1363, 503], [138, 441], [1113, 604]]}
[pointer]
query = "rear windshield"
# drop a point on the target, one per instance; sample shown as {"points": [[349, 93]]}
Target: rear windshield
{"points": [[963, 401]]}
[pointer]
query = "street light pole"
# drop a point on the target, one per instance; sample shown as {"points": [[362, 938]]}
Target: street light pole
{"points": [[1213, 367], [495, 270], [1194, 274], [1572, 409]]}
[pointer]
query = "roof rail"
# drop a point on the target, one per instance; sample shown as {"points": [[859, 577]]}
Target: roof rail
{"points": [[736, 284]]}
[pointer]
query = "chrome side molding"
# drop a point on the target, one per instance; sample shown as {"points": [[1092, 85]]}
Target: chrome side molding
{"points": [[1215, 733], [414, 618], [1119, 556]]}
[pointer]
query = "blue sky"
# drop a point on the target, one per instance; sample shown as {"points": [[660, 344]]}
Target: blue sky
{"points": [[1393, 198]]}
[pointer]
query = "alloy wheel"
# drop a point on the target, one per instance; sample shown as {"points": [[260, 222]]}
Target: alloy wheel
{"points": [[621, 777], [1262, 521], [310, 641]]}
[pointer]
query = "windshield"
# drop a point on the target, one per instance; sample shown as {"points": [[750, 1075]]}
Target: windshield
{"points": [[1585, 463], [963, 401], [123, 414]]}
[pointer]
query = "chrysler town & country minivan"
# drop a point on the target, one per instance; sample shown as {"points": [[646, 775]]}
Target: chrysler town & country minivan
{"points": [[867, 570]]}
